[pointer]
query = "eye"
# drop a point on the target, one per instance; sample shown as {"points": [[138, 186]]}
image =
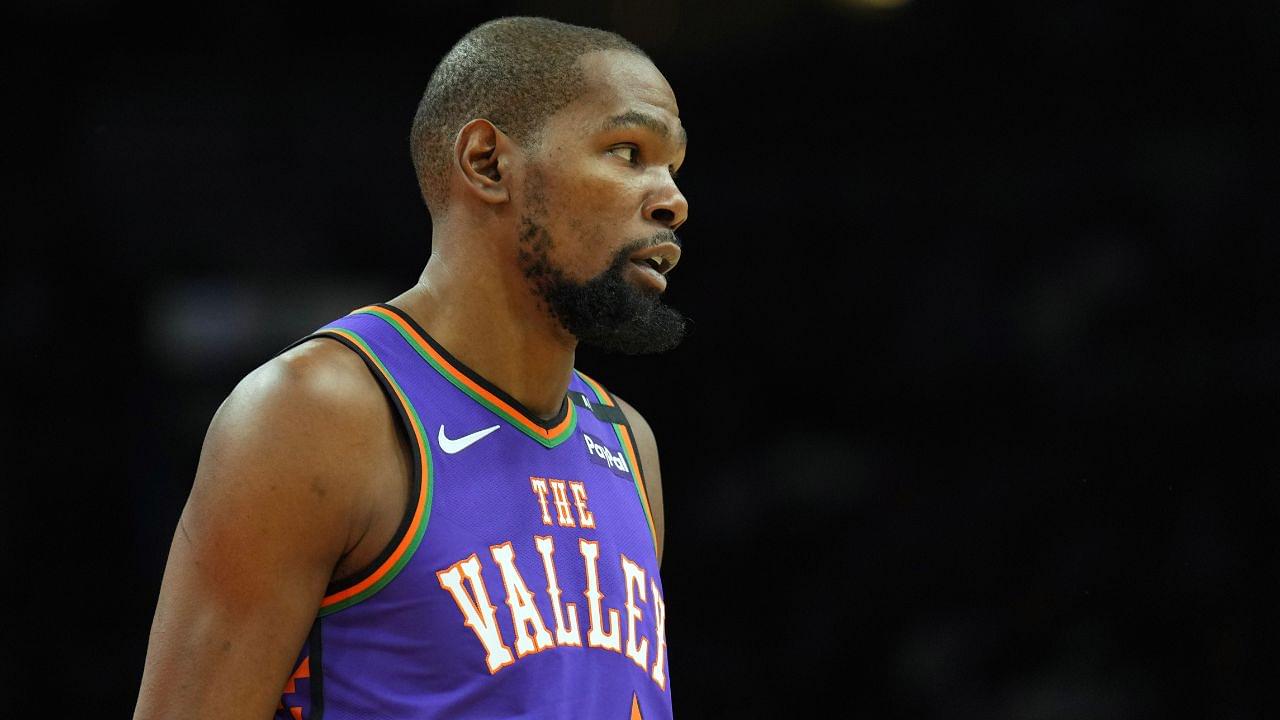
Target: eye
{"points": [[674, 172], [630, 153]]}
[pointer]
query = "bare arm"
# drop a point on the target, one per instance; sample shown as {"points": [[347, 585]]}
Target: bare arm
{"points": [[647, 446], [278, 499]]}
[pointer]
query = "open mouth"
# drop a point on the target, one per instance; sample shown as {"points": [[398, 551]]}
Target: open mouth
{"points": [[661, 258], [659, 264]]}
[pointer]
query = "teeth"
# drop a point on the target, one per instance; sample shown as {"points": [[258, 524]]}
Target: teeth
{"points": [[659, 263]]}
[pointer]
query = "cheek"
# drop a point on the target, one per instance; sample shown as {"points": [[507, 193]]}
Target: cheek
{"points": [[590, 245], [581, 245], [588, 215], [587, 205], [599, 191]]}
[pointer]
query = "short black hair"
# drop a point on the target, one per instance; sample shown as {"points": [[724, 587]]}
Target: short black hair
{"points": [[515, 72]]}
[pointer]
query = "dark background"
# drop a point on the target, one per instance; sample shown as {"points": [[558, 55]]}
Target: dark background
{"points": [[971, 421]]}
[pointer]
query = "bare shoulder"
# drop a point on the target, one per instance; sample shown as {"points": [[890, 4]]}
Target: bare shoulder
{"points": [[311, 423], [647, 447], [310, 407], [283, 492], [310, 379], [299, 429]]}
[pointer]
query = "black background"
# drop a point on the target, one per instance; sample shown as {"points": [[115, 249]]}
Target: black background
{"points": [[971, 421]]}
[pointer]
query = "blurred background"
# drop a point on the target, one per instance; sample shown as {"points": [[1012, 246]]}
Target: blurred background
{"points": [[971, 423]]}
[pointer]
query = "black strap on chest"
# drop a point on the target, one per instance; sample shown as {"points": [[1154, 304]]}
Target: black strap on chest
{"points": [[607, 413]]}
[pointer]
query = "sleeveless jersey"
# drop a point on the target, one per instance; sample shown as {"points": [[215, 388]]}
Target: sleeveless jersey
{"points": [[523, 579]]}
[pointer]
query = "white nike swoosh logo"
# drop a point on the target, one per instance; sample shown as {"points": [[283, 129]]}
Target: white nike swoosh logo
{"points": [[462, 443]]}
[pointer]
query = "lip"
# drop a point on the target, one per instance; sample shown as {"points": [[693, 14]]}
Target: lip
{"points": [[650, 276], [667, 253]]}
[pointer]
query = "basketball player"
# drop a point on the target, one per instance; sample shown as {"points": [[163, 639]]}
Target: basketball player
{"points": [[422, 510]]}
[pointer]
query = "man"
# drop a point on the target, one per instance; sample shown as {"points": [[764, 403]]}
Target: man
{"points": [[422, 510]]}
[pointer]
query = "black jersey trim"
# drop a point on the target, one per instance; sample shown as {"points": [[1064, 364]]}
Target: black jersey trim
{"points": [[477, 378], [626, 425], [415, 480], [316, 654], [606, 413]]}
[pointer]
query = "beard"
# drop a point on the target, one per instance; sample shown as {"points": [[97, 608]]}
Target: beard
{"points": [[606, 311]]}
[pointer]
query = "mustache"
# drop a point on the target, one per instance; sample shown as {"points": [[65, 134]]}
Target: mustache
{"points": [[665, 236], [662, 236], [623, 257]]}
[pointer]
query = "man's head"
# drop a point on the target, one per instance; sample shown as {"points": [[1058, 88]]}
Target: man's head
{"points": [[515, 72], [565, 139]]}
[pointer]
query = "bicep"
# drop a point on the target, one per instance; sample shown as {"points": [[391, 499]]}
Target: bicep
{"points": [[249, 563], [647, 447]]}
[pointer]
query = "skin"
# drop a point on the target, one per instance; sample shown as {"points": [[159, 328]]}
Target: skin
{"points": [[304, 473]]}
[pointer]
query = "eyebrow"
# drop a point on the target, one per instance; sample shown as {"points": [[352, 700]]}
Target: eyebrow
{"points": [[635, 118]]}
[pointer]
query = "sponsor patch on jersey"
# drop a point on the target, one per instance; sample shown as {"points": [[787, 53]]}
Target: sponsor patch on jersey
{"points": [[602, 455]]}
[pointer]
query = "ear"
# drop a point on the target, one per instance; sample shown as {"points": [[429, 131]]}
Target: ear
{"points": [[483, 154]]}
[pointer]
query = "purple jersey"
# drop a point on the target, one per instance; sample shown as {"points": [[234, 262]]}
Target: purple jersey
{"points": [[523, 580]]}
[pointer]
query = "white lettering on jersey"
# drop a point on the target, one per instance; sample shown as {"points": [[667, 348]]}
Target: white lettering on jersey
{"points": [[597, 449], [579, 492], [659, 674], [477, 611], [524, 612], [596, 635], [564, 515], [539, 486], [633, 577], [465, 584], [566, 634]]}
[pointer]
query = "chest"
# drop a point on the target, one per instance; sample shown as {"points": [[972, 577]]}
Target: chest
{"points": [[489, 486], [535, 562]]}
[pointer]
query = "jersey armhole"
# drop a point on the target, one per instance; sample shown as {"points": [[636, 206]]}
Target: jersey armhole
{"points": [[627, 439], [364, 583], [631, 437]]}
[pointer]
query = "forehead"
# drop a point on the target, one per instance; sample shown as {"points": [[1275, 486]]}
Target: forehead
{"points": [[619, 83]]}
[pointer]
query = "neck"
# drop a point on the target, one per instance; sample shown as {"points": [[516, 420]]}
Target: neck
{"points": [[491, 322]]}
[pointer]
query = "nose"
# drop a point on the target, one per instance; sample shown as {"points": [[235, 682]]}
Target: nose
{"points": [[667, 205]]}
